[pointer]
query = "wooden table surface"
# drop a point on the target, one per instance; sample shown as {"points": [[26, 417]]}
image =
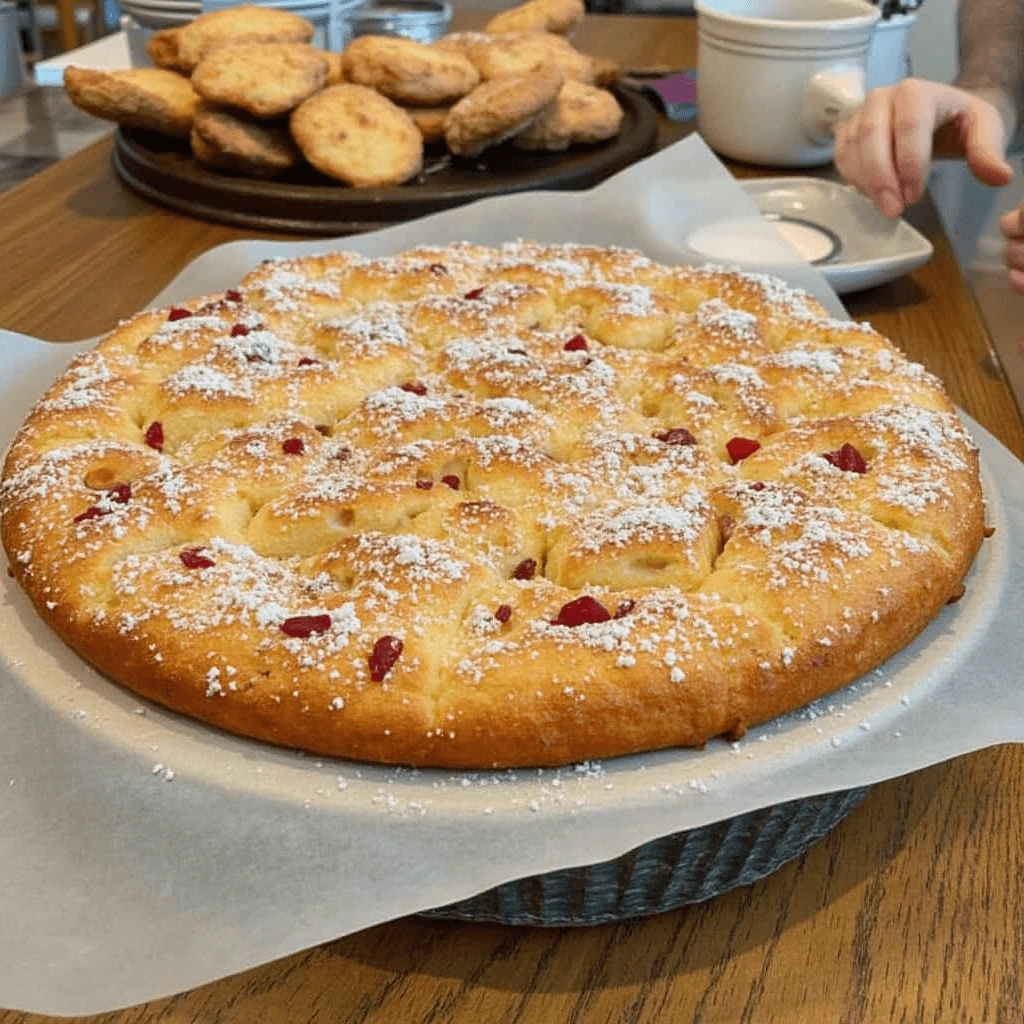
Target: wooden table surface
{"points": [[912, 910]]}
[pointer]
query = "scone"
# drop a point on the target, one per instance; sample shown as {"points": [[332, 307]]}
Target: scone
{"points": [[162, 48], [581, 114], [266, 80], [335, 74], [523, 52], [221, 140], [560, 16], [459, 42], [247, 23], [430, 121], [471, 508], [153, 98], [498, 110], [357, 136], [407, 71]]}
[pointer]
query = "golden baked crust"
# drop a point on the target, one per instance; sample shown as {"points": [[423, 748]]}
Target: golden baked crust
{"points": [[266, 80], [152, 98], [430, 121], [539, 15], [521, 53], [335, 72], [221, 140], [248, 23], [407, 71], [162, 48], [459, 42], [354, 134], [581, 114], [499, 110], [485, 454]]}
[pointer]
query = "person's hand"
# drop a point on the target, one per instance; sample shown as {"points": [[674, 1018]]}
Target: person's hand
{"points": [[885, 146], [1012, 225]]}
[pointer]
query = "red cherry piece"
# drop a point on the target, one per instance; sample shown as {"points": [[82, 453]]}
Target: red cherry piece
{"points": [[193, 558], [383, 657], [581, 612], [344, 455], [306, 361], [474, 293], [304, 626], [322, 428], [624, 609], [154, 435], [424, 485], [239, 331], [451, 480], [120, 493], [293, 446], [577, 343], [759, 486], [233, 295], [677, 435], [740, 448], [414, 387], [525, 570], [92, 512], [178, 313], [847, 458], [439, 269], [504, 612]]}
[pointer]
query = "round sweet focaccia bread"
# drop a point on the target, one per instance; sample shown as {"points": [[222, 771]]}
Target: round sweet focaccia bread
{"points": [[473, 507]]}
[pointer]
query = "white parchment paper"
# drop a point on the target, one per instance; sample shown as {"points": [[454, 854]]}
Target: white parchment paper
{"points": [[142, 854]]}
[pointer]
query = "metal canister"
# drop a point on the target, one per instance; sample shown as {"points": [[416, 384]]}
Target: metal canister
{"points": [[423, 20]]}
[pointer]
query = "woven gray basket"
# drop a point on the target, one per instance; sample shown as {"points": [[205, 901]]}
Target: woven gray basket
{"points": [[688, 867]]}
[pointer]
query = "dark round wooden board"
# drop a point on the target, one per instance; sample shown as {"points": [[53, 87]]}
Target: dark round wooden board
{"points": [[163, 170]]}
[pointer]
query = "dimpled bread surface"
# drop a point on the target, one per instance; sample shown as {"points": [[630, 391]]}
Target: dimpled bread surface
{"points": [[470, 507]]}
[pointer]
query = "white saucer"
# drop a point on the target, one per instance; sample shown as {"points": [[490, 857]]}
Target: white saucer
{"points": [[840, 231]]}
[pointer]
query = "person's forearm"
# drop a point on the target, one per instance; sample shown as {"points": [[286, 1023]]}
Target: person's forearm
{"points": [[992, 54]]}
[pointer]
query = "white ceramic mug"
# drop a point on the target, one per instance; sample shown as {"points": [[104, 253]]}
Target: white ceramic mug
{"points": [[774, 76]]}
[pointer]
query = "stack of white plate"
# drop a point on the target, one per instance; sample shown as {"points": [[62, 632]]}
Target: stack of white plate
{"points": [[154, 14]]}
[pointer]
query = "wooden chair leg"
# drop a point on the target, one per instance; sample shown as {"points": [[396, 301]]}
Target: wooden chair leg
{"points": [[66, 20]]}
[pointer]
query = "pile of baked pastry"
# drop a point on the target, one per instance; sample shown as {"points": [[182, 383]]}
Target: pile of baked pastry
{"points": [[253, 96]]}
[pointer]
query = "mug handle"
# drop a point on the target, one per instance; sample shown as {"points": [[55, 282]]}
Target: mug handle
{"points": [[829, 97]]}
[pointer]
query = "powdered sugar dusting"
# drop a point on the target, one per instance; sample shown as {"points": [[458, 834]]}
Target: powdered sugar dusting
{"points": [[463, 482]]}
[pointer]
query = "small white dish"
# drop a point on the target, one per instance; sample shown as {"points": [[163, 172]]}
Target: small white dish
{"points": [[840, 231]]}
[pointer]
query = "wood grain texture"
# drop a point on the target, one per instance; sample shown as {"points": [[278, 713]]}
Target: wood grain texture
{"points": [[911, 911]]}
